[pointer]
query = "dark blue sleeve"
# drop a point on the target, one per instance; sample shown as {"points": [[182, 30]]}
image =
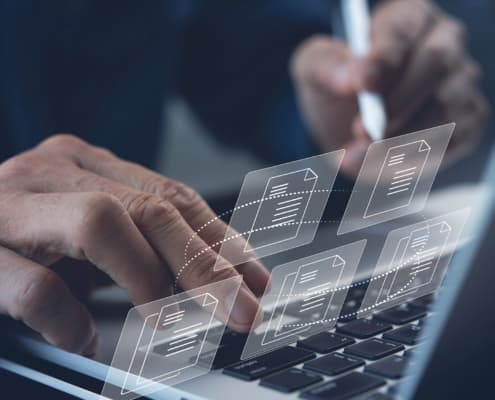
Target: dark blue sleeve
{"points": [[234, 74]]}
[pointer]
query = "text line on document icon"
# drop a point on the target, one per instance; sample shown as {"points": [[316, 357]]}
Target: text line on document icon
{"points": [[186, 328], [281, 208], [398, 178], [415, 259], [308, 292]]}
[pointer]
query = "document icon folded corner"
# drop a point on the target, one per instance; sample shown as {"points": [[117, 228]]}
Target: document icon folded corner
{"points": [[424, 146], [338, 261], [209, 300], [445, 227], [310, 175]]}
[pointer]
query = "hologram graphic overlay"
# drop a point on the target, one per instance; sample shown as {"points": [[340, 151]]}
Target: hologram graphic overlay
{"points": [[306, 297], [413, 261], [169, 341], [396, 177], [279, 208]]}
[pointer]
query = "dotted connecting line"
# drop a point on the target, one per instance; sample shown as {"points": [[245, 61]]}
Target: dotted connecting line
{"points": [[347, 287], [251, 203], [373, 306], [238, 235]]}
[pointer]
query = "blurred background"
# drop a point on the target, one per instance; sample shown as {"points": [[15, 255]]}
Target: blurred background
{"points": [[191, 155]]}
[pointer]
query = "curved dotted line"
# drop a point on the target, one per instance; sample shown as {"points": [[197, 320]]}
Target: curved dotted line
{"points": [[238, 235], [387, 299], [322, 321], [248, 204], [346, 287]]}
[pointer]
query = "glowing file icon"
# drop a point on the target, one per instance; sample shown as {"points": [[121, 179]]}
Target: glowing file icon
{"points": [[398, 178], [415, 260], [282, 208], [185, 329], [308, 292]]}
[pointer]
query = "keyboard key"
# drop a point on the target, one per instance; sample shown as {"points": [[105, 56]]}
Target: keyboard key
{"points": [[267, 364], [325, 342], [290, 380], [232, 338], [424, 302], [223, 357], [349, 311], [343, 388], [334, 364], [373, 349], [391, 367], [363, 328], [400, 315], [408, 334], [229, 351], [379, 396]]}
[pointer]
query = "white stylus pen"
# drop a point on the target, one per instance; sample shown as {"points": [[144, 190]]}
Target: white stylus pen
{"points": [[356, 17]]}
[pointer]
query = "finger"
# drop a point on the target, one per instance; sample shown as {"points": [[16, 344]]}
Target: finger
{"points": [[452, 100], [396, 28], [354, 156], [163, 227], [469, 111], [432, 62], [192, 207], [37, 296], [88, 226]]}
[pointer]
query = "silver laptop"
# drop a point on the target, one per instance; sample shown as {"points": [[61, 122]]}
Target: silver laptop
{"points": [[435, 346]]}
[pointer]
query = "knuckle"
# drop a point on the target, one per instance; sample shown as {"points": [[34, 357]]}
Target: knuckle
{"points": [[300, 66], [457, 28], [62, 141], [19, 166], [186, 198], [40, 296], [152, 213], [474, 71], [435, 55], [141, 205]]}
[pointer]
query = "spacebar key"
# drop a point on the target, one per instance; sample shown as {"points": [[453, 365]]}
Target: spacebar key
{"points": [[267, 364], [343, 388]]}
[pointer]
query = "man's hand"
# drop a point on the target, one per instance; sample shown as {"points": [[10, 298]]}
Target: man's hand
{"points": [[418, 62], [66, 198]]}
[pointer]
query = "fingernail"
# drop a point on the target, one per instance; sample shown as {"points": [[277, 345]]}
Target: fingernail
{"points": [[244, 307]]}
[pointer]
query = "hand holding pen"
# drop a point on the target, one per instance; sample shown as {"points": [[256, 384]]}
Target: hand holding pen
{"points": [[416, 62]]}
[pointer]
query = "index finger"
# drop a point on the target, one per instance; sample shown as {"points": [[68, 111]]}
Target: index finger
{"points": [[204, 223]]}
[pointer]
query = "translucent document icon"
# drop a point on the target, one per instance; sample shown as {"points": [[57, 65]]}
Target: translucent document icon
{"points": [[169, 341], [311, 290], [413, 261], [279, 208], [419, 256], [396, 177], [306, 297], [188, 329], [284, 204]]}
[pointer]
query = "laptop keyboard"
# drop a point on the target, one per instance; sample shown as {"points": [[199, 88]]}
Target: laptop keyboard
{"points": [[356, 357]]}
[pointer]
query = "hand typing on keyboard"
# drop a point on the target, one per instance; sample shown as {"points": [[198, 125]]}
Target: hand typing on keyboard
{"points": [[67, 199]]}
